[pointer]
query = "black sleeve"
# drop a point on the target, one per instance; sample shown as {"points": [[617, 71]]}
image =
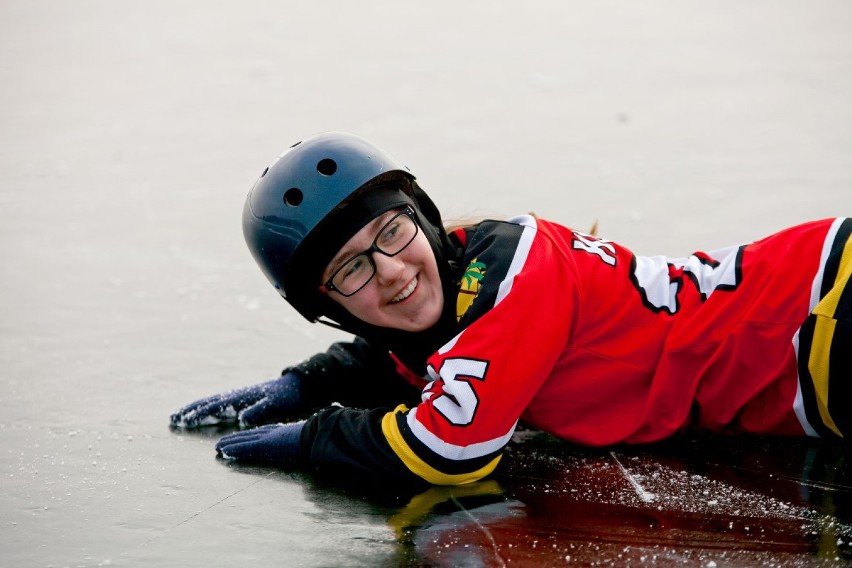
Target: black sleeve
{"points": [[355, 374], [344, 440]]}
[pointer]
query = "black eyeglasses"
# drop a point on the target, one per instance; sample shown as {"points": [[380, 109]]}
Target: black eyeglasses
{"points": [[392, 239]]}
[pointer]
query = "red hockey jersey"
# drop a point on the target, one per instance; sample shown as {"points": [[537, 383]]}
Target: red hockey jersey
{"points": [[578, 337]]}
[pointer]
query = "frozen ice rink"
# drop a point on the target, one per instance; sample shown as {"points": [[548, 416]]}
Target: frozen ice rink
{"points": [[130, 133]]}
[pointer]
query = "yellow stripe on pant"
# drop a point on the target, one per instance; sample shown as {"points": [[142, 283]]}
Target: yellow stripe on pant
{"points": [[818, 362]]}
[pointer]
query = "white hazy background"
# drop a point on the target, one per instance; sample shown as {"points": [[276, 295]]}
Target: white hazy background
{"points": [[130, 133]]}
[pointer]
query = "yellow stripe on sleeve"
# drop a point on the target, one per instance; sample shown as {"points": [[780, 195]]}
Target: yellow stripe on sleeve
{"points": [[412, 461]]}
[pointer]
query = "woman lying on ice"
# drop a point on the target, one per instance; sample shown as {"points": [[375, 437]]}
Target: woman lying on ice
{"points": [[461, 335]]}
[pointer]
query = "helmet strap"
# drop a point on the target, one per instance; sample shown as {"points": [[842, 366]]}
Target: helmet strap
{"points": [[330, 323]]}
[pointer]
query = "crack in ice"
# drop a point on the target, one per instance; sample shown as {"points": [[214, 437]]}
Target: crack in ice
{"points": [[202, 511], [646, 496], [220, 501], [485, 530]]}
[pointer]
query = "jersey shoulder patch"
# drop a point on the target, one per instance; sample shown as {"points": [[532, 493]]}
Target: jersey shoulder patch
{"points": [[469, 290], [488, 259]]}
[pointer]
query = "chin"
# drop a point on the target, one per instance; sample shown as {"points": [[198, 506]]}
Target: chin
{"points": [[415, 327], [426, 322]]}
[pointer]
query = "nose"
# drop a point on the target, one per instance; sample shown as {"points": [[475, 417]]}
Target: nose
{"points": [[388, 268]]}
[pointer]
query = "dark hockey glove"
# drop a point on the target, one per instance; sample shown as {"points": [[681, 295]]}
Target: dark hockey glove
{"points": [[259, 404], [273, 444]]}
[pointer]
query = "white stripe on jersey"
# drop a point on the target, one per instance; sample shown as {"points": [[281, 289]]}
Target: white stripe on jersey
{"points": [[452, 451], [518, 261], [798, 404], [521, 254]]}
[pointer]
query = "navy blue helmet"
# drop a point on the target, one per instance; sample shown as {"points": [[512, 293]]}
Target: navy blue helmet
{"points": [[313, 199]]}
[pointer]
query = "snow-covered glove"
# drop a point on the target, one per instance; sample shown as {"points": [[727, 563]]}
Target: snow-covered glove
{"points": [[274, 444], [259, 404]]}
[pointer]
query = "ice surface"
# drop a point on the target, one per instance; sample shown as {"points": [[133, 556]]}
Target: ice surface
{"points": [[130, 133]]}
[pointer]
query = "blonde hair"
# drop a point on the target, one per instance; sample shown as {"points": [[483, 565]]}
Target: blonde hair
{"points": [[464, 223]]}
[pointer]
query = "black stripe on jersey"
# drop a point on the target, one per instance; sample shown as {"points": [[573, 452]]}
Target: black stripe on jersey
{"points": [[840, 358], [436, 461], [832, 264], [840, 385], [843, 312], [806, 381]]}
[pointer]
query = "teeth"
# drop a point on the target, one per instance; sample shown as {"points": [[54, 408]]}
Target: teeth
{"points": [[405, 293]]}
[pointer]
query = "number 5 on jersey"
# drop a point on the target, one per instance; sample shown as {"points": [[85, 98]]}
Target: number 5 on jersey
{"points": [[452, 391]]}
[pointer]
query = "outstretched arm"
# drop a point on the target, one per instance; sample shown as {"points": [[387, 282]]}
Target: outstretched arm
{"points": [[351, 373], [250, 406]]}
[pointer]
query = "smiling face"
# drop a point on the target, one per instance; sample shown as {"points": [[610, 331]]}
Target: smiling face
{"points": [[405, 293]]}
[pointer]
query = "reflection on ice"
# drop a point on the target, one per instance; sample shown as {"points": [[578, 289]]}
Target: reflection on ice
{"points": [[130, 135]]}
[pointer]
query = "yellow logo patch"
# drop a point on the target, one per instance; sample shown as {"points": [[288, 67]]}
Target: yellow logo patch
{"points": [[473, 274]]}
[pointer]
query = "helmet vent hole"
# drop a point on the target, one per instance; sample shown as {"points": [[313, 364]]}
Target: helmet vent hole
{"points": [[327, 167], [293, 197], [264, 172]]}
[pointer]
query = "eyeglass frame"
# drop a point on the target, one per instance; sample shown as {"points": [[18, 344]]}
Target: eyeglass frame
{"points": [[408, 211]]}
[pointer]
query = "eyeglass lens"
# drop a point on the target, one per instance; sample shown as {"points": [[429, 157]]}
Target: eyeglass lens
{"points": [[391, 240]]}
